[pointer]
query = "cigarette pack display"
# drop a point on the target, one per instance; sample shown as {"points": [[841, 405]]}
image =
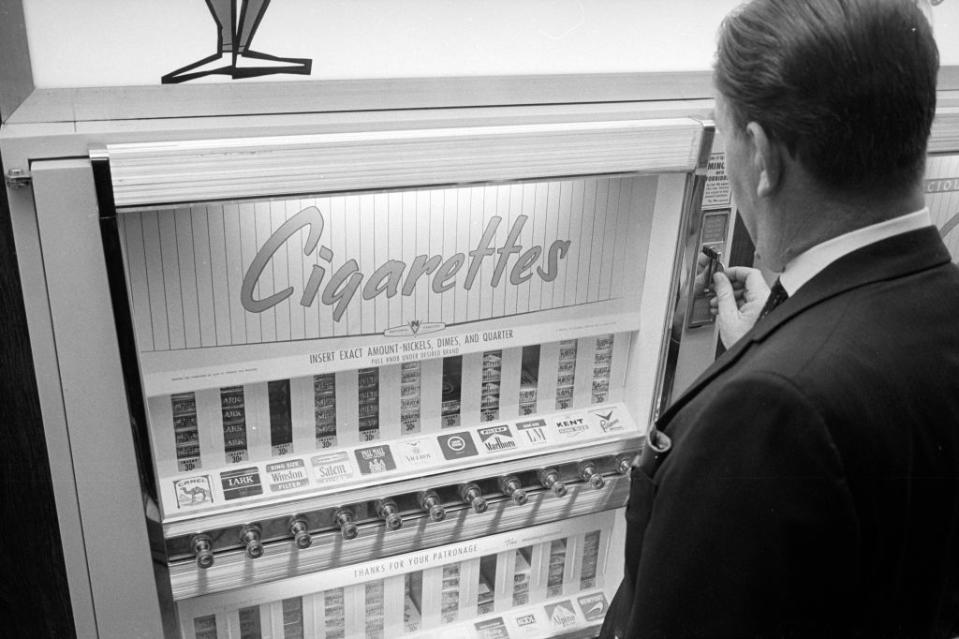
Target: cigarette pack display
{"points": [[486, 595], [556, 568], [293, 618], [449, 607], [334, 613], [368, 406], [529, 377], [205, 627], [250, 626], [452, 386], [281, 418], [185, 431], [233, 412], [601, 368], [413, 584], [521, 576], [490, 394], [324, 410], [566, 374], [590, 565], [410, 380], [374, 610]]}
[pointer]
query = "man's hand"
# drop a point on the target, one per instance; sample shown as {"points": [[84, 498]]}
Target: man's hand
{"points": [[740, 294]]}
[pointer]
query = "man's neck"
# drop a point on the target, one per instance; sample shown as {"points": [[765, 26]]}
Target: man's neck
{"points": [[818, 217]]}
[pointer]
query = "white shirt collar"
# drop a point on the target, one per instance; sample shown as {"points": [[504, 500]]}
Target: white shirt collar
{"points": [[808, 264]]}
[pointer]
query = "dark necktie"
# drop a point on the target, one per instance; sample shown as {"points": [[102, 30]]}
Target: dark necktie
{"points": [[777, 295]]}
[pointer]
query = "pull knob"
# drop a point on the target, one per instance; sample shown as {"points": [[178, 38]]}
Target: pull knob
{"points": [[511, 486], [203, 550], [550, 479], [624, 463], [589, 473], [431, 503], [250, 537], [472, 495], [388, 511], [346, 520], [300, 530]]}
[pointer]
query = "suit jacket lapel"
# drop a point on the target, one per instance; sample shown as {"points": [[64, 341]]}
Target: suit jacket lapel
{"points": [[893, 257]]}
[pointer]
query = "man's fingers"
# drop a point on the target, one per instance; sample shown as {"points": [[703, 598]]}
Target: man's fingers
{"points": [[725, 297]]}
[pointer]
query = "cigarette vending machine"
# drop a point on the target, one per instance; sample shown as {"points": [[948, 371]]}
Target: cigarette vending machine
{"points": [[363, 373]]}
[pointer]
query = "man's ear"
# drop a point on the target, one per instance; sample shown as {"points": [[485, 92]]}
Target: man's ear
{"points": [[766, 158]]}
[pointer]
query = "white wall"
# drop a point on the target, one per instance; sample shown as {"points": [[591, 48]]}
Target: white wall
{"points": [[76, 43]]}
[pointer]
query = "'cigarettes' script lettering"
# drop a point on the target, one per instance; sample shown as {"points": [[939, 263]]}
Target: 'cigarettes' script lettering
{"points": [[395, 276]]}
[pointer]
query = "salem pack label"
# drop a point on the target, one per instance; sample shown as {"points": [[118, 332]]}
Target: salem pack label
{"points": [[593, 606], [244, 482], [497, 438], [375, 459], [287, 475], [532, 432], [457, 445], [193, 491], [332, 468]]}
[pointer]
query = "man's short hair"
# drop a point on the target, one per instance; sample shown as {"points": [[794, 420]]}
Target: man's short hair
{"points": [[848, 86]]}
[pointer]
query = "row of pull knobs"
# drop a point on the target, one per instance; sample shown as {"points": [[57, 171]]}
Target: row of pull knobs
{"points": [[388, 511]]}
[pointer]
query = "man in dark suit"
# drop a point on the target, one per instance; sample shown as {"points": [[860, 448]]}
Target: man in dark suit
{"points": [[807, 484]]}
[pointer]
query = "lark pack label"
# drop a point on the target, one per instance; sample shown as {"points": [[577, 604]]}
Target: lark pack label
{"points": [[243, 482], [287, 475], [497, 438], [457, 445], [375, 459]]}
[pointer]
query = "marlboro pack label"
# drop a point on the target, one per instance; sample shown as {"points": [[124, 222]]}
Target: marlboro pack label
{"points": [[497, 438]]}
